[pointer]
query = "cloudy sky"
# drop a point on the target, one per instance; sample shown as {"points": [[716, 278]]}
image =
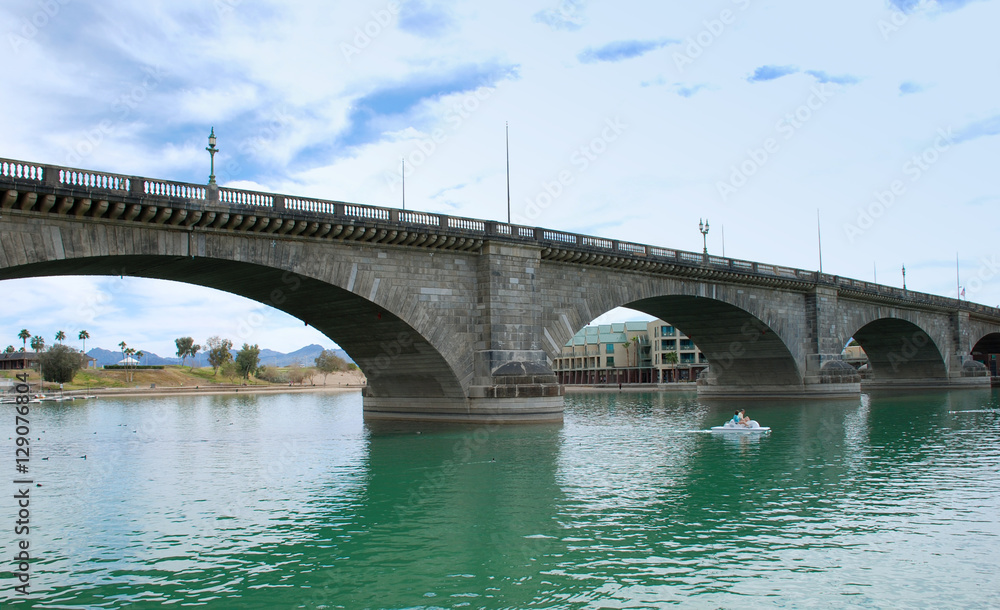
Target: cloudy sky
{"points": [[630, 120]]}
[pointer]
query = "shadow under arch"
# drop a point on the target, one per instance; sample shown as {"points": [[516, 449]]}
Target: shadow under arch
{"points": [[985, 351], [742, 350], [900, 350], [397, 360]]}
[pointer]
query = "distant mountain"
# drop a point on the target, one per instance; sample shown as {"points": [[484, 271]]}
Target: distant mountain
{"points": [[305, 356]]}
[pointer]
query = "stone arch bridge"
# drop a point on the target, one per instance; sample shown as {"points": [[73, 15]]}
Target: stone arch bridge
{"points": [[459, 319]]}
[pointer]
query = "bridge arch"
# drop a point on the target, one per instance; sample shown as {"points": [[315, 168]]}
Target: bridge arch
{"points": [[985, 350], [900, 350], [738, 345], [749, 334], [396, 349]]}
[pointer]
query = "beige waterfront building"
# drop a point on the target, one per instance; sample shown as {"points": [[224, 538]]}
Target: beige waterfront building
{"points": [[629, 352]]}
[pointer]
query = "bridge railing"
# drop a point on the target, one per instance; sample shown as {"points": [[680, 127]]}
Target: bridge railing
{"points": [[172, 190], [166, 193], [21, 170]]}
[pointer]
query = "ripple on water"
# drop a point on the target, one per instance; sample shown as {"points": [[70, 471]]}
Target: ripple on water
{"points": [[627, 504]]}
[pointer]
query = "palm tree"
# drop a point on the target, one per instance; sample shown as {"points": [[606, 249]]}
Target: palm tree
{"points": [[127, 353], [125, 350], [24, 335], [60, 337], [671, 359], [628, 355], [84, 335], [10, 350], [37, 343]]}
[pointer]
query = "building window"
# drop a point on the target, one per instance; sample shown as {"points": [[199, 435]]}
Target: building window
{"points": [[687, 344], [609, 348], [687, 358], [668, 345], [666, 331], [611, 361]]}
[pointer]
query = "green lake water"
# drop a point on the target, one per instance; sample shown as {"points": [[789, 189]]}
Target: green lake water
{"points": [[292, 501]]}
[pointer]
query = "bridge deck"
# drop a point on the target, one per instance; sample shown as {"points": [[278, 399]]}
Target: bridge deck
{"points": [[47, 189]]}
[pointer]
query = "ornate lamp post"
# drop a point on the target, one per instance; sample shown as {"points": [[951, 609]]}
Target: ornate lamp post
{"points": [[904, 277], [704, 234], [211, 151]]}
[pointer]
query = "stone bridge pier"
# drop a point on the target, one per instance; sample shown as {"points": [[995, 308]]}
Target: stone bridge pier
{"points": [[511, 375]]}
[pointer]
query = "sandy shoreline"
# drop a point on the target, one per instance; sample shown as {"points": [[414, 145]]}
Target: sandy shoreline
{"points": [[335, 382]]}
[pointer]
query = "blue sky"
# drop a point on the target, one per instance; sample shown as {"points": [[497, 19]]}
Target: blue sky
{"points": [[752, 113]]}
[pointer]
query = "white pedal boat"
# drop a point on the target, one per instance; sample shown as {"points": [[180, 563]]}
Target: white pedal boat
{"points": [[732, 426]]}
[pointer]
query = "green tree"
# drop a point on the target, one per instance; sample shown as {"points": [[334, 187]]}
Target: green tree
{"points": [[38, 343], [271, 375], [83, 336], [628, 355], [218, 352], [298, 374], [60, 336], [60, 364], [24, 335], [247, 360], [129, 364], [128, 361], [328, 362], [184, 345], [229, 370], [670, 358], [193, 352], [10, 349]]}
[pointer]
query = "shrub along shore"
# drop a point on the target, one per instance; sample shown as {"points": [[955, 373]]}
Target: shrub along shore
{"points": [[178, 379]]}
